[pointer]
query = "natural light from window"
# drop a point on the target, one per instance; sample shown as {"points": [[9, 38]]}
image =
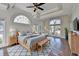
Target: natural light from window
{"points": [[55, 21], [21, 19]]}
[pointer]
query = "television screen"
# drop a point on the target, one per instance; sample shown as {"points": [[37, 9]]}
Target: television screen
{"points": [[76, 24]]}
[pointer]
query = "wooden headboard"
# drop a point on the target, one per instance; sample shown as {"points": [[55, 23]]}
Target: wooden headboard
{"points": [[17, 33]]}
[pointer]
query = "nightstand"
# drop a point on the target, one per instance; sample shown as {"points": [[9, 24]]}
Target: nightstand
{"points": [[13, 40]]}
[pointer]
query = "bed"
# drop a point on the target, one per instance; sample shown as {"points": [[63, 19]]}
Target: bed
{"points": [[29, 41]]}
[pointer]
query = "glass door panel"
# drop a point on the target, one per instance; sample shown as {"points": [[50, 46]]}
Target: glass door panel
{"points": [[2, 40], [56, 30]]}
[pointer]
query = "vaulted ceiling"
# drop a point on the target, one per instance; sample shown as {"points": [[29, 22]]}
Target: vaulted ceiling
{"points": [[50, 9]]}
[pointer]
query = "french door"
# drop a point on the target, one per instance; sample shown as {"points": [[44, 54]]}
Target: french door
{"points": [[2, 33], [55, 27], [55, 30]]}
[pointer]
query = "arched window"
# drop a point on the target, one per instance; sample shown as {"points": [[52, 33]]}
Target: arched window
{"points": [[21, 19]]}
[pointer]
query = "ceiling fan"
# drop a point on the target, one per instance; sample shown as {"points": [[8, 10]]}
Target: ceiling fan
{"points": [[36, 6]]}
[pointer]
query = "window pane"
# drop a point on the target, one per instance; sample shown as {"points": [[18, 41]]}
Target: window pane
{"points": [[55, 21], [22, 19]]}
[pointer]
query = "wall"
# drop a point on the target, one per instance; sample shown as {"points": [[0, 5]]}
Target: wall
{"points": [[65, 23], [45, 26]]}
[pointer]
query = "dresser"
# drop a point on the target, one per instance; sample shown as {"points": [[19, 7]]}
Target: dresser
{"points": [[74, 42], [13, 40]]}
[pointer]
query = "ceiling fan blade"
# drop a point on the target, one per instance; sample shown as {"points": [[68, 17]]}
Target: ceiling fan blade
{"points": [[40, 8], [40, 4], [34, 9], [30, 6]]}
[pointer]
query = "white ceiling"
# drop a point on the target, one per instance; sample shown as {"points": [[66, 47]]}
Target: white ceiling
{"points": [[50, 9]]}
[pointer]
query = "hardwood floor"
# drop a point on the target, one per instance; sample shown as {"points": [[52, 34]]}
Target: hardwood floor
{"points": [[59, 45], [5, 52]]}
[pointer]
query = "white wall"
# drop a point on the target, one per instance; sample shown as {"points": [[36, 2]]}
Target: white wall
{"points": [[65, 23]]}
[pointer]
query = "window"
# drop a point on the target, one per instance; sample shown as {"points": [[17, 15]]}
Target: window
{"points": [[55, 22], [55, 27], [21, 19]]}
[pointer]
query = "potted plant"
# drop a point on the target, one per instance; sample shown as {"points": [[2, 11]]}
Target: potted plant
{"points": [[66, 33]]}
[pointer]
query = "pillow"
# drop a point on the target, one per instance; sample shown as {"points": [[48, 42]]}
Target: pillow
{"points": [[22, 34]]}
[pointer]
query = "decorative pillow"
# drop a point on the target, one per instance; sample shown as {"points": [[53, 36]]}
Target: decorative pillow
{"points": [[22, 34]]}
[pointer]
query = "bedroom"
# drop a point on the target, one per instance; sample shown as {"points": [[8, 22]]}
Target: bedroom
{"points": [[49, 24]]}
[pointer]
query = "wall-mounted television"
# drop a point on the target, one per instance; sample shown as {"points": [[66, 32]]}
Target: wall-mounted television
{"points": [[76, 24]]}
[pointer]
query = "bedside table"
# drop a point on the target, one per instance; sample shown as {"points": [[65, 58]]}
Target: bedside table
{"points": [[13, 40]]}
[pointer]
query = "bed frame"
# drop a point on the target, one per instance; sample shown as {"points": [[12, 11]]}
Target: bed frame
{"points": [[30, 49], [27, 46]]}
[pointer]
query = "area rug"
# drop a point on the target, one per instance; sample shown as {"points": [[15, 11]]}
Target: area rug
{"points": [[18, 50]]}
